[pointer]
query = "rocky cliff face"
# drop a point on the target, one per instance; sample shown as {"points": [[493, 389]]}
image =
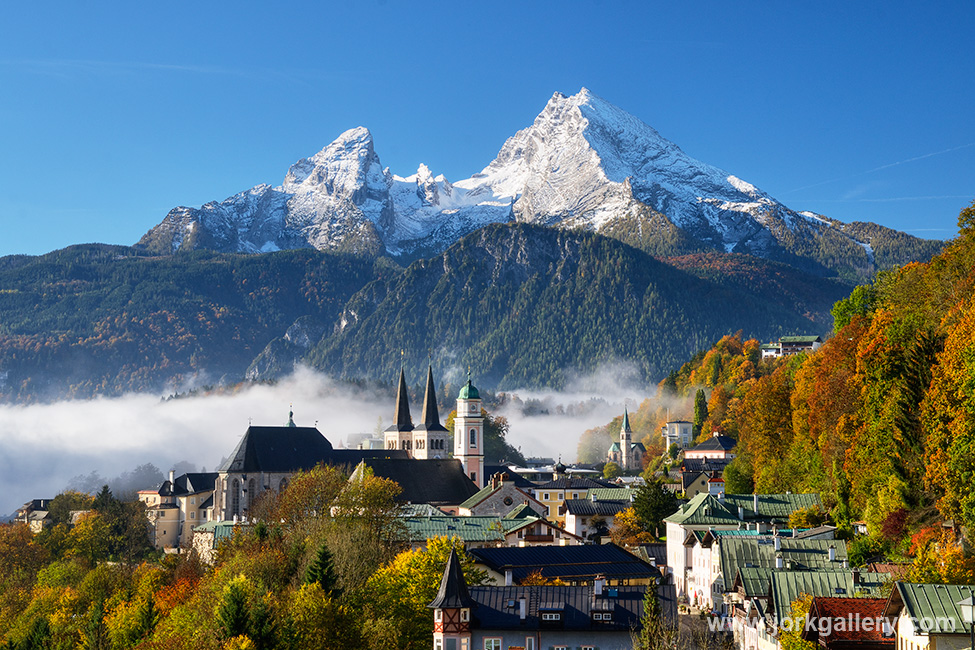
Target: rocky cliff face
{"points": [[583, 163]]}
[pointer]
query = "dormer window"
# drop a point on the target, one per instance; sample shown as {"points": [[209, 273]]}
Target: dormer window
{"points": [[551, 616], [465, 615]]}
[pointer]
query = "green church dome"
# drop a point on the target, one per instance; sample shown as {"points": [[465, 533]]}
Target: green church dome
{"points": [[468, 391]]}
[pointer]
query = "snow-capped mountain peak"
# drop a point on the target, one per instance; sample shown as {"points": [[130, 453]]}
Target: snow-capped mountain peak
{"points": [[583, 162]]}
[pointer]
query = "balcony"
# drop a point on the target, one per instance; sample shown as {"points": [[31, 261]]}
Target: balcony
{"points": [[540, 539]]}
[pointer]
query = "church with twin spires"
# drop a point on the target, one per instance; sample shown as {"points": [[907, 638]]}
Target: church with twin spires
{"points": [[429, 439]]}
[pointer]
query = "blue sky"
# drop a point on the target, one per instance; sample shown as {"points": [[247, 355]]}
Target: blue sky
{"points": [[113, 113]]}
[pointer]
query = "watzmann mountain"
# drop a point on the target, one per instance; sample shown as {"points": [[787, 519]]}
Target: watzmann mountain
{"points": [[589, 240], [583, 163]]}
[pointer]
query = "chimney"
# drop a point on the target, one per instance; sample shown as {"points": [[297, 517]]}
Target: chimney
{"points": [[778, 560], [755, 503], [508, 578], [522, 608], [741, 512], [856, 577], [598, 584], [832, 553], [172, 477], [777, 541], [795, 533]]}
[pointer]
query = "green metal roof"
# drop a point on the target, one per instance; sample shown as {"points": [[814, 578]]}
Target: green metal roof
{"points": [[754, 581], [468, 529], [799, 339], [468, 391], [771, 506], [614, 447], [787, 586], [480, 495], [703, 510], [759, 552], [522, 511], [610, 494], [937, 604]]}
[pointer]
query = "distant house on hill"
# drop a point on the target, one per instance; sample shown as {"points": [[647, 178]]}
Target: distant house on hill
{"points": [[789, 345]]}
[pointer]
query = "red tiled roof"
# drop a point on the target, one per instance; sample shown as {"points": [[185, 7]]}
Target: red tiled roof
{"points": [[853, 612]]}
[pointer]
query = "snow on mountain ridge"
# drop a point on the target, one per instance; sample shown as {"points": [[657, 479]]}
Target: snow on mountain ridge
{"points": [[583, 162]]}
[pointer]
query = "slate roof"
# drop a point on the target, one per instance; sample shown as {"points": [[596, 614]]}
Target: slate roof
{"points": [[574, 484], [588, 507], [194, 483], [569, 563], [495, 612], [278, 449], [771, 507], [701, 465], [703, 510], [453, 592], [716, 443], [431, 414], [439, 482], [512, 477], [935, 603], [786, 586], [656, 552], [402, 421]]}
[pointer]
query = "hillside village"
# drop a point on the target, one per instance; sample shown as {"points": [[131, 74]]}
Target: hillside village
{"points": [[559, 566]]}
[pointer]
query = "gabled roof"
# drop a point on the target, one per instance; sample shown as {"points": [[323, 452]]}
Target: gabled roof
{"points": [[716, 443], [800, 339], [434, 481], [614, 447], [738, 552], [700, 465], [570, 563], [523, 511], [847, 609], [574, 484], [277, 449], [467, 529], [612, 494], [936, 604], [194, 483], [786, 586], [588, 507], [771, 507], [576, 604], [453, 592], [753, 581], [703, 510]]}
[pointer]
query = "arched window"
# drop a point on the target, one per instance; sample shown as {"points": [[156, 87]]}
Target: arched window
{"points": [[282, 485], [235, 498], [251, 494], [473, 438]]}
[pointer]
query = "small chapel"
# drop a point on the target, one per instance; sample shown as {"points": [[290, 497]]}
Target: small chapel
{"points": [[626, 453]]}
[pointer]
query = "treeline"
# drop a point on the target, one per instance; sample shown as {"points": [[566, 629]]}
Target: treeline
{"points": [[526, 306], [324, 566], [100, 319], [880, 420]]}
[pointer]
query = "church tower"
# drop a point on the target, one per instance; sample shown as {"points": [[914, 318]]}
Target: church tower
{"points": [[626, 442], [430, 438], [452, 609], [399, 435], [469, 433]]}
